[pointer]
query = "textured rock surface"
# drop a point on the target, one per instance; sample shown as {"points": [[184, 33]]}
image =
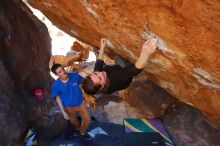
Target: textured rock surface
{"points": [[189, 127], [66, 60], [12, 119], [187, 61], [186, 125], [79, 48], [25, 51], [24, 55], [151, 100], [112, 108]]}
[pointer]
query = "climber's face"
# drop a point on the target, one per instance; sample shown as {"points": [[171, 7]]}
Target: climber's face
{"points": [[61, 72], [99, 78]]}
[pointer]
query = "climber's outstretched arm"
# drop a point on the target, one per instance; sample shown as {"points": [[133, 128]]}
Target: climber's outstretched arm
{"points": [[102, 48], [148, 48]]}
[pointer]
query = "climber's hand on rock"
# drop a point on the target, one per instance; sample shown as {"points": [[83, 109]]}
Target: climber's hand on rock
{"points": [[102, 47], [149, 47], [102, 43]]}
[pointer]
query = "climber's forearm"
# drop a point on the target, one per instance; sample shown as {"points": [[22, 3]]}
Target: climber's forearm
{"points": [[141, 62], [101, 54], [102, 48], [148, 48]]}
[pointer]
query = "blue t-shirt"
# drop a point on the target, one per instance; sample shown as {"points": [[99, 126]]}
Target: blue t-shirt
{"points": [[70, 92]]}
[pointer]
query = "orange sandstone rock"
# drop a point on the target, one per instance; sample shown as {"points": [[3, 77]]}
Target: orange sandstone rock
{"points": [[187, 63]]}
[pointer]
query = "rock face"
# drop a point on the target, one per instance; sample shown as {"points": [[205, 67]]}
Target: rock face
{"points": [[183, 71], [151, 100], [24, 55], [187, 61], [79, 48], [112, 108], [12, 124], [186, 125], [189, 127]]}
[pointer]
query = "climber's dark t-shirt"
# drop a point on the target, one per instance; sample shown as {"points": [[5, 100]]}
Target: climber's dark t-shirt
{"points": [[118, 78]]}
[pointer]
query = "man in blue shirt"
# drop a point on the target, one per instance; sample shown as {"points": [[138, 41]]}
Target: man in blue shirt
{"points": [[66, 89]]}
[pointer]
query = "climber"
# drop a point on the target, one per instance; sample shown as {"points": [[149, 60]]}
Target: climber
{"points": [[69, 97], [107, 79]]}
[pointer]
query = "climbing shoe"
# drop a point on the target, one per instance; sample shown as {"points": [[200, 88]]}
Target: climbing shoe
{"points": [[85, 136]]}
